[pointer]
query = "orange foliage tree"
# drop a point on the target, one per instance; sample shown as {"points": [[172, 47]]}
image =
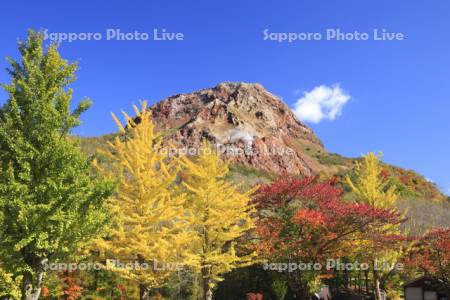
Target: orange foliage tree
{"points": [[306, 221]]}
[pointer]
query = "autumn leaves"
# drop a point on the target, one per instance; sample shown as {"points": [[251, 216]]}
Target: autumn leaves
{"points": [[182, 210], [172, 209]]}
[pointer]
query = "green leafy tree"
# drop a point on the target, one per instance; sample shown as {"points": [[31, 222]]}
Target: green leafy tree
{"points": [[51, 203], [279, 288]]}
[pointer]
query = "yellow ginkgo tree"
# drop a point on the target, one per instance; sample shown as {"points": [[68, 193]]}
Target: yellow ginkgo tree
{"points": [[152, 231], [371, 188], [369, 185], [223, 216]]}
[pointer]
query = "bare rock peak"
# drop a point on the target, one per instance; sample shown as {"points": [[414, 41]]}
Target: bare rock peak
{"points": [[257, 128]]}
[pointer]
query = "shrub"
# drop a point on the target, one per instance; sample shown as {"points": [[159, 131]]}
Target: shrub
{"points": [[279, 289]]}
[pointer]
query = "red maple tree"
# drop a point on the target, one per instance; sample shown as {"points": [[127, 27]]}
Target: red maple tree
{"points": [[305, 220], [72, 290], [431, 256]]}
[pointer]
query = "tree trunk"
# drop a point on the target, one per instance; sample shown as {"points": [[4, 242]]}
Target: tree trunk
{"points": [[366, 280], [144, 292], [31, 287], [376, 283], [346, 279], [207, 290], [359, 283]]}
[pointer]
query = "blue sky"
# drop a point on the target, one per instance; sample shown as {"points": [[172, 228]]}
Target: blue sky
{"points": [[398, 90]]}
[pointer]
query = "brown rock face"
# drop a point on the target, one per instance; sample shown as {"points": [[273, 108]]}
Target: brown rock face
{"points": [[245, 122]]}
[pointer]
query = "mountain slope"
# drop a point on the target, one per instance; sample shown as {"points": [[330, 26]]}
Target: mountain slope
{"points": [[247, 124], [259, 134]]}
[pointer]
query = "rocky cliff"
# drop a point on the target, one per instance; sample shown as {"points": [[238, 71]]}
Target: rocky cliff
{"points": [[259, 134], [246, 123]]}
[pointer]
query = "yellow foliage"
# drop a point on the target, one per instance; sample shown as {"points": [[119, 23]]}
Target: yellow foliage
{"points": [[369, 186], [222, 215], [152, 225], [9, 285]]}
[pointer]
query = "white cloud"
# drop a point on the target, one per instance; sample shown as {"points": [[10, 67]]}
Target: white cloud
{"points": [[322, 102]]}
